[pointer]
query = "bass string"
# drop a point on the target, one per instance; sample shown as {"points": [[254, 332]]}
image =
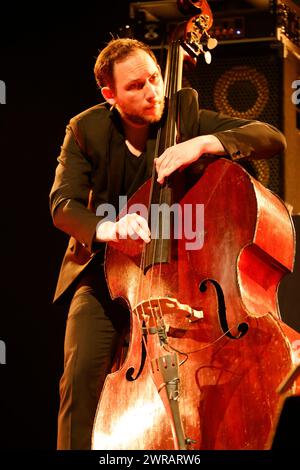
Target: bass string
{"points": [[174, 61]]}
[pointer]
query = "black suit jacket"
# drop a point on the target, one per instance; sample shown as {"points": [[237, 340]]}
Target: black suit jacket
{"points": [[91, 163]]}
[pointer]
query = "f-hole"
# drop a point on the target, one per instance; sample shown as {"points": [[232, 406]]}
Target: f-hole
{"points": [[131, 370], [242, 327]]}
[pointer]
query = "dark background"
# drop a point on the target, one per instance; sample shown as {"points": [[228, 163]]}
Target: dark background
{"points": [[47, 55]]}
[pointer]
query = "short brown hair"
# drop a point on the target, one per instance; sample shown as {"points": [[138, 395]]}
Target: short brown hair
{"points": [[116, 51]]}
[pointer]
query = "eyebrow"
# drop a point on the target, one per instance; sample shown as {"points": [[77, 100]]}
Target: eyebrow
{"points": [[137, 80]]}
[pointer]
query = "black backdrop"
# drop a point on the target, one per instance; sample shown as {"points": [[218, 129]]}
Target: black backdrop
{"points": [[47, 56]]}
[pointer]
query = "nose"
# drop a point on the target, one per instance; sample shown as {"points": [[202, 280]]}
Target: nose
{"points": [[150, 90]]}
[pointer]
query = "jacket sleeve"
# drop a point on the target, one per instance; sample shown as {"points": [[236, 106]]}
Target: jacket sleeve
{"points": [[69, 196], [242, 138]]}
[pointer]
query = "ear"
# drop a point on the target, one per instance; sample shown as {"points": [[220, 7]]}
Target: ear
{"points": [[108, 95]]}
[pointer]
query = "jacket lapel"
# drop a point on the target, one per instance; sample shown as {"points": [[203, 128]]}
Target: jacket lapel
{"points": [[116, 161]]}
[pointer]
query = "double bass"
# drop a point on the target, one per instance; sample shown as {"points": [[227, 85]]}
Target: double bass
{"points": [[207, 348]]}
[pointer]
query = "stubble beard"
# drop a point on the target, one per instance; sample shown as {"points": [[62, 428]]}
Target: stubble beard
{"points": [[139, 120]]}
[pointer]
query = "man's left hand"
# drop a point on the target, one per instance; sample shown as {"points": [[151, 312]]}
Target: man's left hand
{"points": [[181, 155]]}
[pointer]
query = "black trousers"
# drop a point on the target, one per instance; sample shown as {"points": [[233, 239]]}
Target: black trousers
{"points": [[95, 325]]}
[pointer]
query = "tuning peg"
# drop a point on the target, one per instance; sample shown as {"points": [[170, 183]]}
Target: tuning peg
{"points": [[207, 57], [212, 43]]}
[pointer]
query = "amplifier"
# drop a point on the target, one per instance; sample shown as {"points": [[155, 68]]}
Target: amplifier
{"points": [[244, 19], [233, 19], [256, 19], [288, 20]]}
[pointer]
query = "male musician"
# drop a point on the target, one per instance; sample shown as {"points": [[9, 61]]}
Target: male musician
{"points": [[107, 152]]}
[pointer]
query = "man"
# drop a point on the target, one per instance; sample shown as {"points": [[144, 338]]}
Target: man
{"points": [[107, 153]]}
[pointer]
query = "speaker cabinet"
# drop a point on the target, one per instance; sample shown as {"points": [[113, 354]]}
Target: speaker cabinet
{"points": [[253, 80]]}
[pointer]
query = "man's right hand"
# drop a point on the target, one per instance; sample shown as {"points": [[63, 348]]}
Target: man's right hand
{"points": [[133, 226]]}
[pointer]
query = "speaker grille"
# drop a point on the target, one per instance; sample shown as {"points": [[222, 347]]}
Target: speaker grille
{"points": [[245, 80]]}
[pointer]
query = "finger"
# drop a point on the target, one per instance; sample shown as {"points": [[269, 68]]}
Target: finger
{"points": [[135, 232], [167, 171], [141, 231], [143, 223], [164, 160], [133, 226], [171, 162], [122, 229]]}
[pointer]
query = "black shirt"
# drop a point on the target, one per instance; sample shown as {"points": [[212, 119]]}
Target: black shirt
{"points": [[135, 172]]}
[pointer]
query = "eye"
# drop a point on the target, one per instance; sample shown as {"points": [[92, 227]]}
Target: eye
{"points": [[132, 86], [135, 86], [154, 78]]}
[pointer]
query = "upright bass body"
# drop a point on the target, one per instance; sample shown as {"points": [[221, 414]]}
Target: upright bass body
{"points": [[215, 306]]}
